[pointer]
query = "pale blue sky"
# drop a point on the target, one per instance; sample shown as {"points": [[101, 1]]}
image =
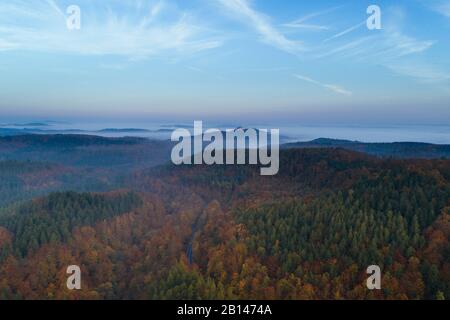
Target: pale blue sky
{"points": [[299, 61]]}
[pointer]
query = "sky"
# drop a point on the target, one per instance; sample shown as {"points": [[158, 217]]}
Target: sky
{"points": [[293, 61]]}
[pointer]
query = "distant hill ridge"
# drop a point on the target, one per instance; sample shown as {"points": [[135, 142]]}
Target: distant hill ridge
{"points": [[67, 140], [388, 149], [395, 149]]}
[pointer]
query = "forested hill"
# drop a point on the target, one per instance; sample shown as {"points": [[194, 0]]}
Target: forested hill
{"points": [[52, 219], [311, 231], [96, 151], [35, 165], [396, 149], [86, 150], [65, 140]]}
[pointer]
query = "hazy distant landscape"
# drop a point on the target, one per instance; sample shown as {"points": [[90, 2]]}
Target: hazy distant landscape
{"points": [[435, 134]]}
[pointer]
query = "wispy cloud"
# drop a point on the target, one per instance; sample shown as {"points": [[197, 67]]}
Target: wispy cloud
{"points": [[396, 45], [300, 23], [393, 48], [55, 7], [445, 9], [346, 31], [441, 6], [332, 87], [317, 14], [262, 25], [349, 48], [389, 47], [423, 73], [39, 26]]}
